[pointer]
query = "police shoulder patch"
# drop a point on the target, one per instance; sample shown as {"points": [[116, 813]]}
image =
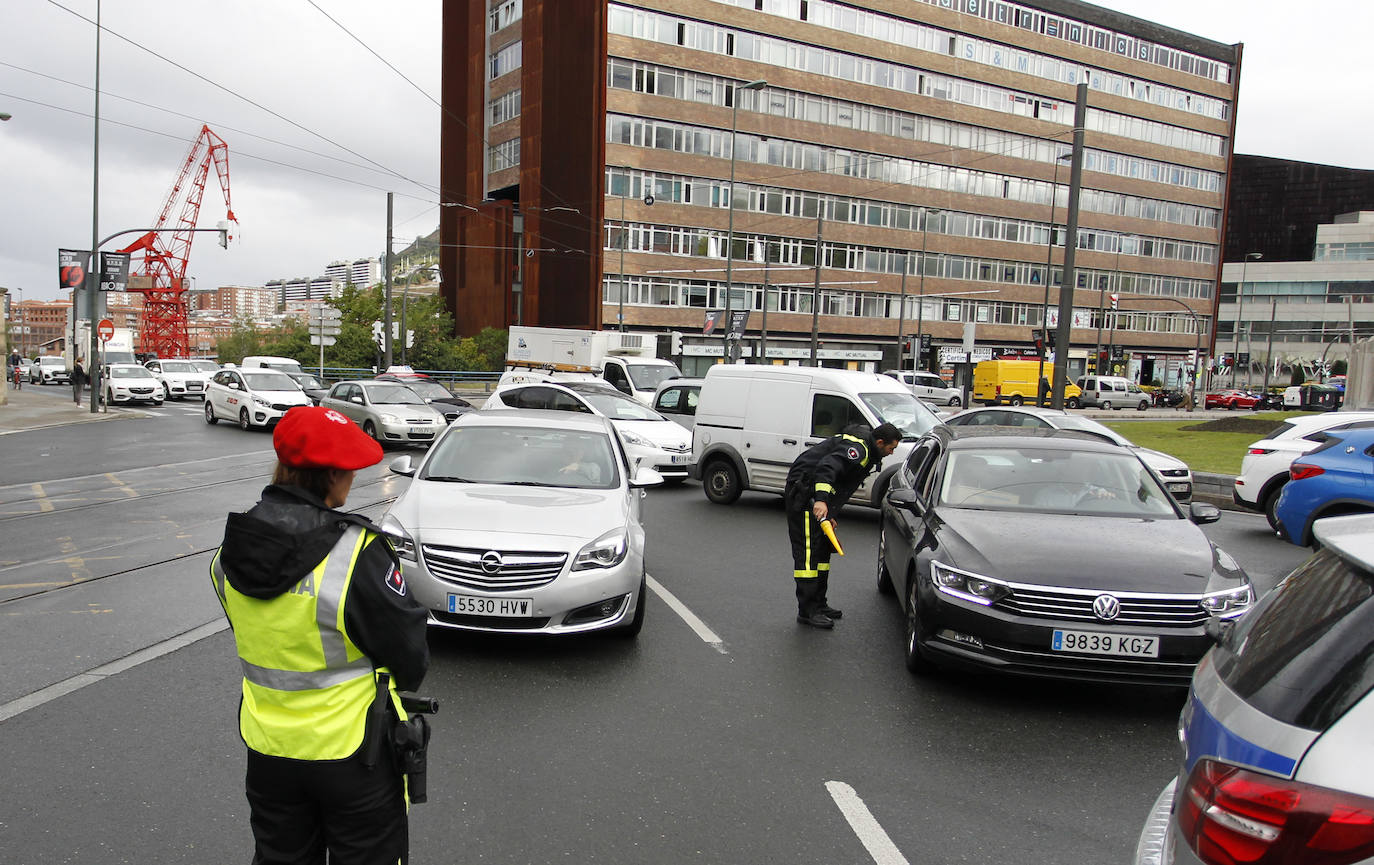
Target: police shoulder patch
{"points": [[396, 581], [853, 453]]}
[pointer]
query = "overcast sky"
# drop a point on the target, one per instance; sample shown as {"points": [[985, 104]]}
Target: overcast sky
{"points": [[319, 129]]}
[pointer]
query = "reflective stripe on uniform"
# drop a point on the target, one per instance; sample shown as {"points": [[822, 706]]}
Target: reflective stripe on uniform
{"points": [[824, 488], [330, 589], [823, 567], [300, 680], [804, 575]]}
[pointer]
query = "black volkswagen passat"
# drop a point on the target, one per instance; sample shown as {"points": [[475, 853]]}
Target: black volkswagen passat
{"points": [[1050, 553]]}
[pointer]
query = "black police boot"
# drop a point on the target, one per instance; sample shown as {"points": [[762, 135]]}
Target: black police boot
{"points": [[816, 620], [831, 613]]}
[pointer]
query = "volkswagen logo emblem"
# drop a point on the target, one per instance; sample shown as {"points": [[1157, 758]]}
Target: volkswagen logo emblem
{"points": [[1105, 607], [492, 564]]}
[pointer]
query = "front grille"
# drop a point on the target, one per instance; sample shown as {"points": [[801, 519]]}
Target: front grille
{"points": [[140, 390], [1174, 473], [1050, 602], [194, 385], [520, 571], [281, 406], [489, 623], [417, 421]]}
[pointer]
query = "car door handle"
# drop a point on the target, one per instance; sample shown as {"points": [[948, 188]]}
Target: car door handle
{"points": [[789, 441]]}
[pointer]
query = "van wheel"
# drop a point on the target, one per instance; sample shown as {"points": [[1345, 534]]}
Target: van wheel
{"points": [[1144, 404], [955, 401], [1016, 400], [1106, 405], [720, 481], [1071, 402]]}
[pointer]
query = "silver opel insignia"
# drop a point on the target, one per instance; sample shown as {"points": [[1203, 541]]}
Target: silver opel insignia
{"points": [[524, 522]]}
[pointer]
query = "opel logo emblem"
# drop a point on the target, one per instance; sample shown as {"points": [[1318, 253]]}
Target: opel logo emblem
{"points": [[492, 564], [1105, 607]]}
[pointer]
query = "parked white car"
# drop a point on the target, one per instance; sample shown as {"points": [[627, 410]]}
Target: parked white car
{"points": [[650, 439], [524, 522], [178, 377], [928, 386], [252, 397], [1264, 468], [129, 382]]}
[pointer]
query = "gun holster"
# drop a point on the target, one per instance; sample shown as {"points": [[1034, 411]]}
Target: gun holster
{"points": [[410, 745]]}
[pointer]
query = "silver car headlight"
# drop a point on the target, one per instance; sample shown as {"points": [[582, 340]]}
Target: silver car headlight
{"points": [[606, 551], [967, 585], [387, 417], [636, 440], [401, 541], [1229, 604]]}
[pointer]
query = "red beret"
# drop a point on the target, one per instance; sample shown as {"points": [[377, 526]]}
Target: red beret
{"points": [[310, 437]]}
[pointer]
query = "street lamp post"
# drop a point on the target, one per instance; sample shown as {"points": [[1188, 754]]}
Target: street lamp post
{"points": [[730, 231], [1049, 268], [901, 312], [921, 290], [624, 241], [1240, 305]]}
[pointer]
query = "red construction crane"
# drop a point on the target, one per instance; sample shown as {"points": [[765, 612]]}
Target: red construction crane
{"points": [[167, 248]]}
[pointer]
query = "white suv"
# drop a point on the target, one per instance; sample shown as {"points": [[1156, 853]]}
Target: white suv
{"points": [[928, 386], [1264, 469]]}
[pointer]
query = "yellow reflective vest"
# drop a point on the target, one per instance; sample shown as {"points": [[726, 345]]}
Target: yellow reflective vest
{"points": [[306, 686]]}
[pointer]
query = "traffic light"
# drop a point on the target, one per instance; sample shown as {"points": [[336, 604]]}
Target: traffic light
{"points": [[676, 343], [906, 343]]}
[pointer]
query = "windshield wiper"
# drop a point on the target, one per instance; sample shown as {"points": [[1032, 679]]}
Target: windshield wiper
{"points": [[528, 484], [449, 479]]}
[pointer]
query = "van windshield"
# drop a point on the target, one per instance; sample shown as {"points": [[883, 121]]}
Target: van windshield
{"points": [[902, 410], [648, 376]]}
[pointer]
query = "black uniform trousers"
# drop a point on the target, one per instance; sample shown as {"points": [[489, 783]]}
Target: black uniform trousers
{"points": [[811, 551], [303, 808]]}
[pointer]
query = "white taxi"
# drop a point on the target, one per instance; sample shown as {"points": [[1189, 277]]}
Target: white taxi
{"points": [[252, 397]]}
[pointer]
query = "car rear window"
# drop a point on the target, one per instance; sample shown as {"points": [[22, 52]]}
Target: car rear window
{"points": [[1306, 654]]}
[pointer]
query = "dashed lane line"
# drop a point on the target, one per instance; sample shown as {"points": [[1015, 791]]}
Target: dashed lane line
{"points": [[707, 635], [862, 821]]}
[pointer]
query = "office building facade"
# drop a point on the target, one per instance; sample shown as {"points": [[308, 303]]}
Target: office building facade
{"points": [[899, 171]]}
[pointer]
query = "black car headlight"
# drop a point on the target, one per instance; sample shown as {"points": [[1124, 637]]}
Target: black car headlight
{"points": [[1230, 603], [401, 541], [606, 551], [967, 585]]}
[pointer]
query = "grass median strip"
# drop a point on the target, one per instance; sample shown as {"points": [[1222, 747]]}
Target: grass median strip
{"points": [[1206, 445]]}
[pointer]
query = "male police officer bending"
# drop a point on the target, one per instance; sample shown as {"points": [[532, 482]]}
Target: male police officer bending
{"points": [[327, 632], [819, 483]]}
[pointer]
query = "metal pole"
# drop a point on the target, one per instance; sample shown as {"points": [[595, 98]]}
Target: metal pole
{"points": [[919, 358], [92, 368], [1269, 350], [405, 296], [816, 290], [1240, 305], [386, 305], [1066, 293], [1049, 267], [763, 334], [625, 239], [901, 312]]}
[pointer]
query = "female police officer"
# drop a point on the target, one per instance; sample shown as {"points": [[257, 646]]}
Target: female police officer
{"points": [[326, 632]]}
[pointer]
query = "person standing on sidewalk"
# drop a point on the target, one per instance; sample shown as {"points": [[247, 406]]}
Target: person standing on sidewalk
{"points": [[819, 483], [78, 379]]}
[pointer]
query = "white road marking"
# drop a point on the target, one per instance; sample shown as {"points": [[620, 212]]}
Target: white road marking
{"points": [[119, 665], [861, 820], [707, 635]]}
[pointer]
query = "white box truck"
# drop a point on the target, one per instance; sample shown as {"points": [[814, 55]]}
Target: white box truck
{"points": [[626, 361], [118, 349]]}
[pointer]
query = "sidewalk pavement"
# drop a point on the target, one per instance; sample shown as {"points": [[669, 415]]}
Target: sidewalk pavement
{"points": [[36, 407]]}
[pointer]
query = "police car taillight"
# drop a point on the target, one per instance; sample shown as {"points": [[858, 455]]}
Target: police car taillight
{"points": [[1230, 816]]}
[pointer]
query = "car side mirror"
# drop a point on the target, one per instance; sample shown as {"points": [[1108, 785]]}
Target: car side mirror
{"points": [[645, 477], [356, 399], [403, 465], [906, 500], [1203, 513]]}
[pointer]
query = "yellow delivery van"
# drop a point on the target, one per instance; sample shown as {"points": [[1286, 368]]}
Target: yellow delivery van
{"points": [[1013, 382]]}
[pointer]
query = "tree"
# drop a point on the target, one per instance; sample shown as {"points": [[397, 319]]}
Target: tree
{"points": [[243, 340]]}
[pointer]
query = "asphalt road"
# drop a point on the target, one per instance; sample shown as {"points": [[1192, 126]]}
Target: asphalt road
{"points": [[726, 733]]}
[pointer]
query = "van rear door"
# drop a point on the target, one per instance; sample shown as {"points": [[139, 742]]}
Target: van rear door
{"points": [[777, 419]]}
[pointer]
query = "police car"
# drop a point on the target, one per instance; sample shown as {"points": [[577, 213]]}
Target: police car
{"points": [[1276, 754]]}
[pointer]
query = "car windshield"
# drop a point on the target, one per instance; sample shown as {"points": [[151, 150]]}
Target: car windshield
{"points": [[1053, 480], [524, 456], [647, 376], [205, 365], [617, 406], [262, 379], [1088, 425], [177, 366], [388, 393], [904, 411], [429, 389], [130, 372]]}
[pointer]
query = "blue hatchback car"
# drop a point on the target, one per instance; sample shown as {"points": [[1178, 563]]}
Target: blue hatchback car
{"points": [[1336, 478], [1276, 762]]}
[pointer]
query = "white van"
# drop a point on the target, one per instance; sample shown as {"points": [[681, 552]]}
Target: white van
{"points": [[753, 421], [1112, 392], [928, 386], [281, 364]]}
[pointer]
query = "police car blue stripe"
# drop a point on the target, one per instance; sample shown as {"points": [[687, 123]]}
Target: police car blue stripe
{"points": [[1208, 737]]}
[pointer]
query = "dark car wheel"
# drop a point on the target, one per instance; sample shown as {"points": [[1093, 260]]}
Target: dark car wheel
{"points": [[916, 660], [244, 423], [637, 622], [371, 431], [1271, 504], [210, 414], [720, 481], [885, 586]]}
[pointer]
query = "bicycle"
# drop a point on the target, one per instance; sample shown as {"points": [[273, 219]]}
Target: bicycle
{"points": [[18, 378]]}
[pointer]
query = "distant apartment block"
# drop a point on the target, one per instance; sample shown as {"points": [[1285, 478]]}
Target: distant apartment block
{"points": [[256, 302], [362, 272], [314, 288]]}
